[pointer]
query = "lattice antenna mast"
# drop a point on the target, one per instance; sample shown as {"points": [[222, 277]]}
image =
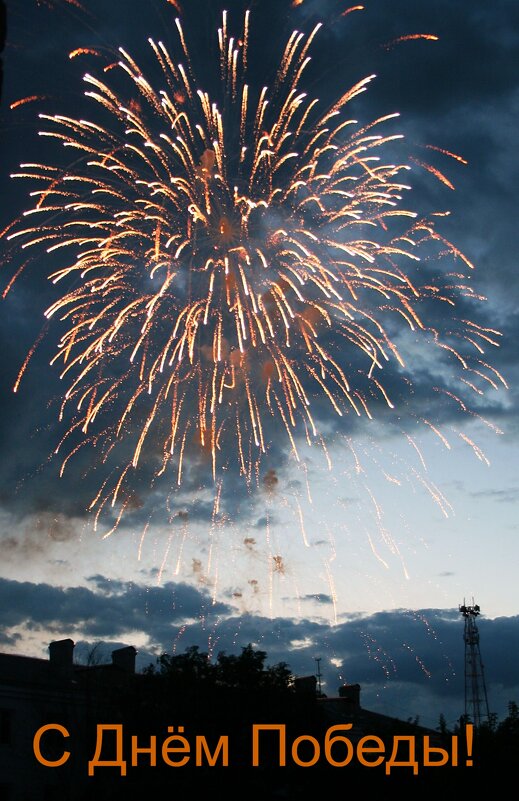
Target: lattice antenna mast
{"points": [[476, 700]]}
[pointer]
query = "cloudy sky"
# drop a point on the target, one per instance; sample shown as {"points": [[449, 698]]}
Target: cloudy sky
{"points": [[361, 553]]}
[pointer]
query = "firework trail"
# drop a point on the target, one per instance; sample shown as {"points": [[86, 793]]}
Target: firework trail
{"points": [[234, 264]]}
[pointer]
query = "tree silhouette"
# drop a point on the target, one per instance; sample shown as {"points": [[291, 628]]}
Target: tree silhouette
{"points": [[245, 671]]}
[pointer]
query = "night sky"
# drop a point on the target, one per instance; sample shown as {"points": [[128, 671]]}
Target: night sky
{"points": [[371, 572]]}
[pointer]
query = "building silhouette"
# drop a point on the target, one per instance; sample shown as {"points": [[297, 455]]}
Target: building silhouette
{"points": [[37, 692]]}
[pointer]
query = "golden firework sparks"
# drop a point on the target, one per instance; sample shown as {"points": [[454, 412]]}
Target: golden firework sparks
{"points": [[232, 265]]}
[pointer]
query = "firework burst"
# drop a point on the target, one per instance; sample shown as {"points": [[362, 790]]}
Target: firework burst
{"points": [[240, 263]]}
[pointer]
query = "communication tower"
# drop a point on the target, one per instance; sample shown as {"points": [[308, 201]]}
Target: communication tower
{"points": [[476, 700]]}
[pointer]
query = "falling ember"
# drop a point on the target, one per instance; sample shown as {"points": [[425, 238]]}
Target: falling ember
{"points": [[448, 153], [439, 175], [24, 100], [235, 269], [410, 37], [83, 51], [351, 9], [28, 358]]}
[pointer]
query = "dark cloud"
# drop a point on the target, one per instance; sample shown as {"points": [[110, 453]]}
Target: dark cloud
{"points": [[107, 586], [321, 598], [472, 60], [112, 609], [510, 495], [9, 641], [407, 662]]}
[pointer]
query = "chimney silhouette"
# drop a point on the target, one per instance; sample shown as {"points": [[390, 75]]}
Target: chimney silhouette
{"points": [[351, 694], [61, 655], [124, 658]]}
